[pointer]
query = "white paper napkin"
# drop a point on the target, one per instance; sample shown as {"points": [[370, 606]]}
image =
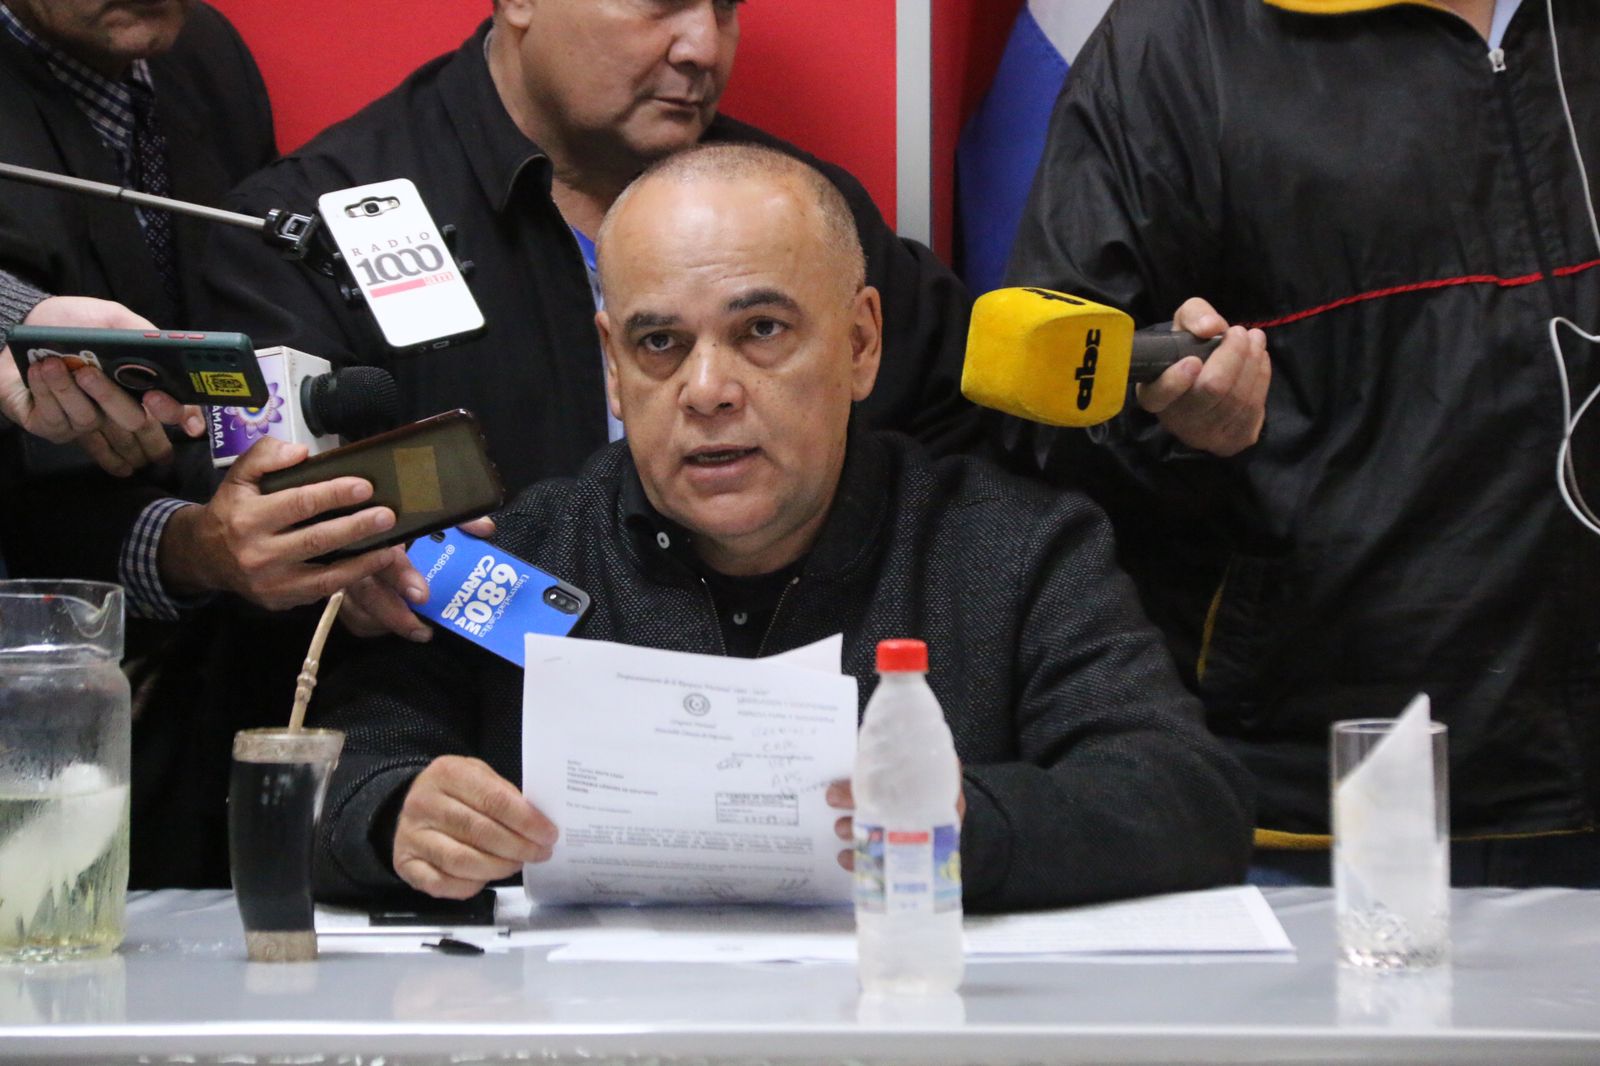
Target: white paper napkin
{"points": [[1385, 820]]}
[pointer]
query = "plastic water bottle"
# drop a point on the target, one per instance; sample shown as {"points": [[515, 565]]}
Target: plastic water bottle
{"points": [[907, 835]]}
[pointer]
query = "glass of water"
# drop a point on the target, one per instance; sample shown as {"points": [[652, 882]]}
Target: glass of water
{"points": [[65, 725], [1391, 844]]}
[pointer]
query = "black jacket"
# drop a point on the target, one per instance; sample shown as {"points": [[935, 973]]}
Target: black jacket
{"points": [[1403, 219], [66, 518], [213, 109], [534, 378], [1087, 772]]}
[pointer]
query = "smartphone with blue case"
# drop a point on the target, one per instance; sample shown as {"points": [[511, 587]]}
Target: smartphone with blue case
{"points": [[483, 593]]}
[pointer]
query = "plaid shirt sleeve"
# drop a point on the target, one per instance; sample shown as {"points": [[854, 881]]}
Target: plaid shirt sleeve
{"points": [[139, 572]]}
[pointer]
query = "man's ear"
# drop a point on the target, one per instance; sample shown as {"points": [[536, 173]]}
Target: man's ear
{"points": [[602, 322], [518, 13], [866, 342]]}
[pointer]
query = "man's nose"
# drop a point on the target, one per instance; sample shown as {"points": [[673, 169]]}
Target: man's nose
{"points": [[697, 37], [711, 385]]}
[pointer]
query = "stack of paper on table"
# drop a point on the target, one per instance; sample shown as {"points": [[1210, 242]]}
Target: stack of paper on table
{"points": [[1224, 923], [1232, 924]]}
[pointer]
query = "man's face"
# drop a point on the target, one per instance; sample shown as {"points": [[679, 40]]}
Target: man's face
{"points": [[735, 345], [640, 77], [106, 34]]}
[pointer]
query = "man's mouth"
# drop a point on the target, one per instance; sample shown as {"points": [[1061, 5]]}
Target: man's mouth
{"points": [[718, 456]]}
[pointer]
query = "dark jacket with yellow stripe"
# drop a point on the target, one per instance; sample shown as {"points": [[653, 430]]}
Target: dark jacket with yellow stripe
{"points": [[1402, 210]]}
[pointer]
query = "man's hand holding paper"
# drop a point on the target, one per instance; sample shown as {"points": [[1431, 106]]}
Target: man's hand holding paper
{"points": [[685, 778], [463, 825]]}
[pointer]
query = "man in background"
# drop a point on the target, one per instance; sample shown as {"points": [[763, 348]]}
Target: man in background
{"points": [[1393, 193], [522, 139], [162, 97]]}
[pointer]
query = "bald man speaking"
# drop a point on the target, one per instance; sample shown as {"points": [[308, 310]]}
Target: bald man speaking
{"points": [[745, 514]]}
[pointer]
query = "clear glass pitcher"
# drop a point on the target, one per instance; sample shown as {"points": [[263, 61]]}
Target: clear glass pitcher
{"points": [[65, 725]]}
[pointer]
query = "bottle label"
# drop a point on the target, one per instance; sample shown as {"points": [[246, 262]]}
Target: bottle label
{"points": [[908, 871]]}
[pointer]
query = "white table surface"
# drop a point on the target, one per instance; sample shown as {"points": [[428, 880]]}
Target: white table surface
{"points": [[1524, 987]]}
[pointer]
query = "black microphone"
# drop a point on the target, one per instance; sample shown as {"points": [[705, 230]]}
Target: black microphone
{"points": [[354, 402], [310, 404]]}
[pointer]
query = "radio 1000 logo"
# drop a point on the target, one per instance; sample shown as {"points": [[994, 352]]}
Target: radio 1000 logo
{"points": [[399, 264]]}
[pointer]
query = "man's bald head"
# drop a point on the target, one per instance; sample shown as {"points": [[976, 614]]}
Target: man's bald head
{"points": [[738, 332], [823, 207]]}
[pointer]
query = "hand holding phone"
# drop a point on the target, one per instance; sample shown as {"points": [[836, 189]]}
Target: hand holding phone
{"points": [[384, 602], [261, 546], [191, 367], [432, 474], [483, 593], [119, 431]]}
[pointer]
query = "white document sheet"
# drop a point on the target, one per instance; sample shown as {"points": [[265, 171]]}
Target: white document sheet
{"points": [[1234, 920], [1232, 924], [678, 778]]}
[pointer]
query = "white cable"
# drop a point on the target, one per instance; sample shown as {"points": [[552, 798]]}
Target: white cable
{"points": [[1566, 473], [1566, 478], [1572, 128]]}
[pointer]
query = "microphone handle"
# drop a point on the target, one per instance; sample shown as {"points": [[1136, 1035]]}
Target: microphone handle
{"points": [[1159, 347]]}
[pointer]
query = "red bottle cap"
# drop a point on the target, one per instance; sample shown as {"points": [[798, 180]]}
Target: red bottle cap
{"points": [[902, 655]]}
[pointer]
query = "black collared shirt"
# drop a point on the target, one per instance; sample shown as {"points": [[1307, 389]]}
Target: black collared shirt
{"points": [[745, 606], [534, 378], [106, 102]]}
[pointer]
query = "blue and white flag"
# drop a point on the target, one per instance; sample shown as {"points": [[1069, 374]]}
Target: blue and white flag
{"points": [[1001, 146]]}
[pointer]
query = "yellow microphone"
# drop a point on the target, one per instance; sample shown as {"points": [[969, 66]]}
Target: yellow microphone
{"points": [[1062, 360]]}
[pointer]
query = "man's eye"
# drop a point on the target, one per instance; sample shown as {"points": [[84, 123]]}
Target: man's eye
{"points": [[766, 328], [656, 342]]}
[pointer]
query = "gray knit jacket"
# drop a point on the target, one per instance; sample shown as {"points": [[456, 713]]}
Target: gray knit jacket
{"points": [[17, 299], [1088, 772]]}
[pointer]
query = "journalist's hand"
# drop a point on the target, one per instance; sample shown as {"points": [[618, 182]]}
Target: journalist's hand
{"points": [[245, 541], [463, 825], [1220, 404], [378, 604], [840, 797], [120, 433]]}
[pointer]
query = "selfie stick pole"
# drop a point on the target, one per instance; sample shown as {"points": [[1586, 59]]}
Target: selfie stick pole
{"points": [[290, 233]]}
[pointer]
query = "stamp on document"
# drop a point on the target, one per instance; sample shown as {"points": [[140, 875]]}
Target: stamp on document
{"points": [[757, 808]]}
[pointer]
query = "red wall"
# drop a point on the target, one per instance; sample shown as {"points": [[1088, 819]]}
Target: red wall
{"points": [[801, 66], [326, 59], [820, 73]]}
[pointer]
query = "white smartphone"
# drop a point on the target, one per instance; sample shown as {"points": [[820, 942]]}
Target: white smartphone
{"points": [[401, 264]]}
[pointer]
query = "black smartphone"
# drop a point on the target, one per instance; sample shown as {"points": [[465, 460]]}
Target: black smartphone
{"points": [[433, 474], [190, 366], [475, 910]]}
